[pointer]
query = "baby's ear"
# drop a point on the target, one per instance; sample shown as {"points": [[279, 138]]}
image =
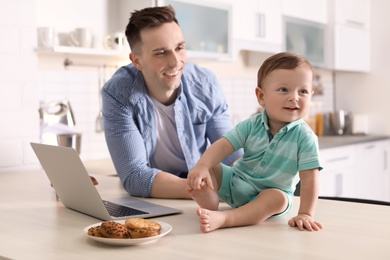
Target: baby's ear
{"points": [[260, 96]]}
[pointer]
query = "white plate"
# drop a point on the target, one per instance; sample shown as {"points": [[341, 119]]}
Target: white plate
{"points": [[165, 229]]}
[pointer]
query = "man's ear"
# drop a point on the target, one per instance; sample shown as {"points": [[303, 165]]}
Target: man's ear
{"points": [[135, 59], [260, 96]]}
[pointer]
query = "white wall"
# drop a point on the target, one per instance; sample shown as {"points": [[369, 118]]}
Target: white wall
{"points": [[369, 93], [18, 83]]}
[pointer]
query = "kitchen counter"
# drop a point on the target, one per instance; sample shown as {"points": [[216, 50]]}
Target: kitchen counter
{"points": [[36, 226], [334, 141]]}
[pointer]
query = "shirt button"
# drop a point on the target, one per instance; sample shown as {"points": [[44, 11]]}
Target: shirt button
{"points": [[272, 146], [262, 163]]}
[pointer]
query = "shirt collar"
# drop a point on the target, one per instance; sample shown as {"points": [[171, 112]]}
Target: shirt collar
{"points": [[286, 128]]}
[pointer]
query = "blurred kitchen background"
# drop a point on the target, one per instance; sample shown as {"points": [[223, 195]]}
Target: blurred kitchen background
{"points": [[347, 41]]}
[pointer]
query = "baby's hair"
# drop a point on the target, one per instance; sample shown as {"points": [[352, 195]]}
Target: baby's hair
{"points": [[282, 60]]}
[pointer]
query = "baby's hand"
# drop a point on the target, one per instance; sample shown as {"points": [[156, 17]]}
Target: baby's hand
{"points": [[303, 221], [199, 178]]}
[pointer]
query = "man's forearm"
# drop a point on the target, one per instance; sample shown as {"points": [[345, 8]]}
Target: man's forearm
{"points": [[167, 185]]}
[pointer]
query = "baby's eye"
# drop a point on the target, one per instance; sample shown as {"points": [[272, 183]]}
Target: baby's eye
{"points": [[304, 91], [283, 89]]}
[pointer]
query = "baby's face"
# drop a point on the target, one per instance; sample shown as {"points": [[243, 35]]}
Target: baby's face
{"points": [[286, 95]]}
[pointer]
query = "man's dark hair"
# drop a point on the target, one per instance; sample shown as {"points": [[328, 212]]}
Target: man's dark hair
{"points": [[147, 18]]}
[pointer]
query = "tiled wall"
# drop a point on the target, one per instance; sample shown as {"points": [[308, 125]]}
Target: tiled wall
{"points": [[18, 83]]}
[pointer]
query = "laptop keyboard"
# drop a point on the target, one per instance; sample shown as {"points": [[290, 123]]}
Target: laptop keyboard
{"points": [[117, 210]]}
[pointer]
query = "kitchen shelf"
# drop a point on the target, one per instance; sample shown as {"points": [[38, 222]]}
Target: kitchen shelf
{"points": [[83, 51]]}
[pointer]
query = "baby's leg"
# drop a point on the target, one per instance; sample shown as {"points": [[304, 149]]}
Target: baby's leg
{"points": [[268, 203], [206, 197]]}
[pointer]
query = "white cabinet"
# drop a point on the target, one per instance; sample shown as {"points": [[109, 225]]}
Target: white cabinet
{"points": [[336, 179], [372, 175], [356, 171], [352, 36], [257, 25], [310, 10], [352, 49], [353, 13], [206, 27]]}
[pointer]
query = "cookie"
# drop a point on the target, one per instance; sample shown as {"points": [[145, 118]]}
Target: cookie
{"points": [[95, 231], [111, 229], [139, 223], [143, 232]]}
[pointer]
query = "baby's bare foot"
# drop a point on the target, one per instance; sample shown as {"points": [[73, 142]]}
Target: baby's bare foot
{"points": [[210, 220]]}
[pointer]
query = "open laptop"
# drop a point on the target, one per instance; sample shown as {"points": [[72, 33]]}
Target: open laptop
{"points": [[76, 191]]}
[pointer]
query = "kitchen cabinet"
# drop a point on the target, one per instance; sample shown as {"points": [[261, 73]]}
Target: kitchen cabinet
{"points": [[356, 171], [352, 49], [372, 175], [258, 25], [336, 179], [352, 36], [359, 15], [206, 27], [310, 10]]}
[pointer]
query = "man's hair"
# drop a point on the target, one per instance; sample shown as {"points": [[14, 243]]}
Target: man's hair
{"points": [[147, 18], [283, 60]]}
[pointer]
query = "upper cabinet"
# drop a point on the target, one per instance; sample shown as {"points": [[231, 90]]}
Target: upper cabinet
{"points": [[310, 10], [258, 25], [206, 27], [352, 36], [358, 16]]}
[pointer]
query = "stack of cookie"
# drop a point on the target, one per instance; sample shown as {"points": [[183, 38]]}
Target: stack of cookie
{"points": [[132, 228]]}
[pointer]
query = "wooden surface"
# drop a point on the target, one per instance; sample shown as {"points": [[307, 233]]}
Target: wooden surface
{"points": [[33, 225]]}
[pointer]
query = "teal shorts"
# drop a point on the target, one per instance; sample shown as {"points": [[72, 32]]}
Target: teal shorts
{"points": [[236, 197]]}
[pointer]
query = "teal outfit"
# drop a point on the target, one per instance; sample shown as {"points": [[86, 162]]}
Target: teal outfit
{"points": [[268, 162]]}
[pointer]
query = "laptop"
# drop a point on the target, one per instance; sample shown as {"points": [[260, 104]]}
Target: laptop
{"points": [[71, 181]]}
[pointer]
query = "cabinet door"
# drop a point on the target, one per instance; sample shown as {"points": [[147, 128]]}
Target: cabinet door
{"points": [[352, 49], [310, 10], [257, 25], [352, 12], [337, 177], [372, 178]]}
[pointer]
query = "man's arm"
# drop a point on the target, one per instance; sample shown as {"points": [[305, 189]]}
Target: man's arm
{"points": [[167, 185]]}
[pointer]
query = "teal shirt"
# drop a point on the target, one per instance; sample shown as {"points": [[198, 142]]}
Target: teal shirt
{"points": [[272, 163]]}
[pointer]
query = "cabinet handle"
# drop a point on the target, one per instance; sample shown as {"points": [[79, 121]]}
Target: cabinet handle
{"points": [[372, 146], [259, 25], [360, 24], [338, 159]]}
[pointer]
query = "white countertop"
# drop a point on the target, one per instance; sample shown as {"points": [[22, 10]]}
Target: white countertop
{"points": [[35, 226]]}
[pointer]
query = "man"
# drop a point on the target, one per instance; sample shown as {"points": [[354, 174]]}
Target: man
{"points": [[160, 114]]}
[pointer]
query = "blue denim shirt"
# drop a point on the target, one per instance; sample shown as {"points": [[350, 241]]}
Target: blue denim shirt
{"points": [[130, 124]]}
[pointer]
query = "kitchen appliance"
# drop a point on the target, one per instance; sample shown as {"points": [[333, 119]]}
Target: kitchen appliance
{"points": [[58, 125], [340, 122]]}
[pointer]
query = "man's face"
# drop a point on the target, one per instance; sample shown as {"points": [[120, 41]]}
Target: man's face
{"points": [[161, 58]]}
